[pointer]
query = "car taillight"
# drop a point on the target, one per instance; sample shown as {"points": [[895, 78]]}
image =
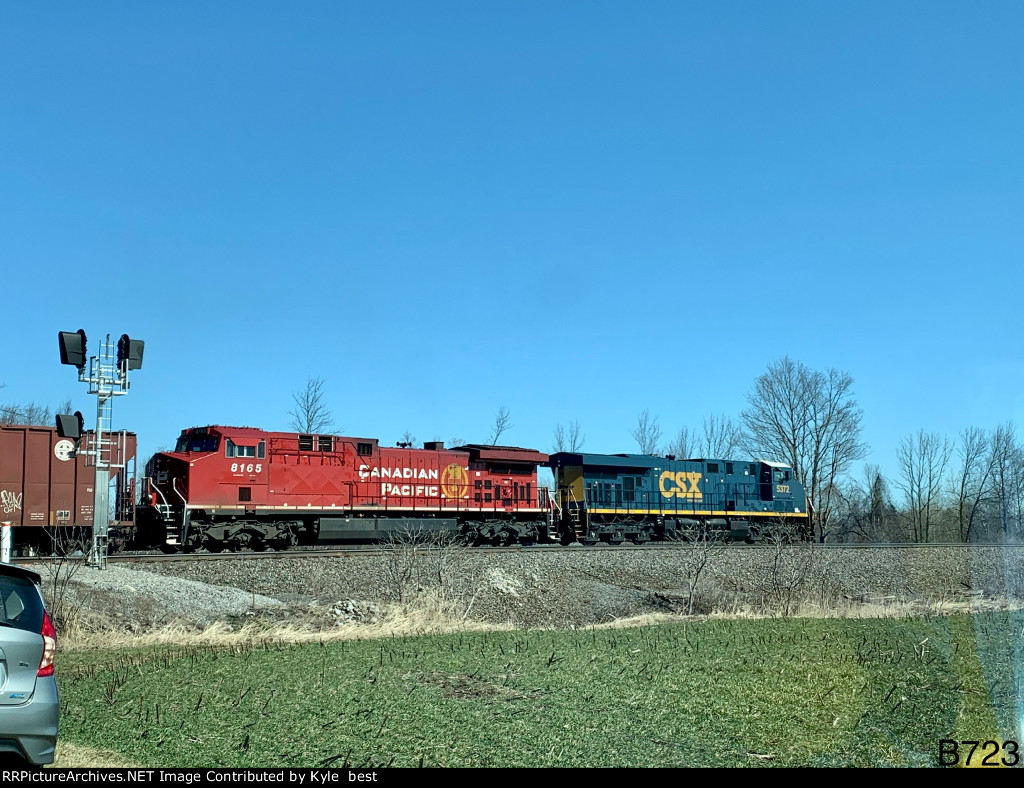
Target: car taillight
{"points": [[49, 646]]}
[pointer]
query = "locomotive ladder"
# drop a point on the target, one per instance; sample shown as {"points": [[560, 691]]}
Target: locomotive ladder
{"points": [[579, 527]]}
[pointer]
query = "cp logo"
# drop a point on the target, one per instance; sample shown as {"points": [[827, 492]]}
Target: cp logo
{"points": [[454, 481]]}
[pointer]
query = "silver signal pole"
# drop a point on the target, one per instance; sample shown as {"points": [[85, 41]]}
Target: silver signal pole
{"points": [[106, 381], [107, 378]]}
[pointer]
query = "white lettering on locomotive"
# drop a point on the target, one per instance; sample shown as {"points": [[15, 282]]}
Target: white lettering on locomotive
{"points": [[366, 472], [417, 490]]}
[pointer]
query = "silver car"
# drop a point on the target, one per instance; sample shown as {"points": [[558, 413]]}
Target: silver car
{"points": [[29, 707]]}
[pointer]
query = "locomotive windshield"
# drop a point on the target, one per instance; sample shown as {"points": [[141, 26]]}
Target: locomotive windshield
{"points": [[197, 443]]}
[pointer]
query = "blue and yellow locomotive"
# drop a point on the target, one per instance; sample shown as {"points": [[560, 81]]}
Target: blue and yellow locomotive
{"points": [[639, 497]]}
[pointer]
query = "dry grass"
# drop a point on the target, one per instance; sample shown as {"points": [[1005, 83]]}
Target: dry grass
{"points": [[425, 615], [432, 615], [73, 756], [851, 609]]}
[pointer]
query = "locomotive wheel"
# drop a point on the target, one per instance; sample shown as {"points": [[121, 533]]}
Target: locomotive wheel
{"points": [[258, 545], [214, 546]]}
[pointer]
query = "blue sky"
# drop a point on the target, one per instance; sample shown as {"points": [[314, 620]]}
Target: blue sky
{"points": [[573, 210]]}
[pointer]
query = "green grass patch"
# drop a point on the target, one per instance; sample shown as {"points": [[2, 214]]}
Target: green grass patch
{"points": [[717, 693]]}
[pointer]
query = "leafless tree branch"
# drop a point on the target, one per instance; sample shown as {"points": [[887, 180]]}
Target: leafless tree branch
{"points": [[311, 413]]}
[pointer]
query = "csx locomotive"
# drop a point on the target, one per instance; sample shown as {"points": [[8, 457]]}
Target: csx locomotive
{"points": [[640, 497], [240, 487]]}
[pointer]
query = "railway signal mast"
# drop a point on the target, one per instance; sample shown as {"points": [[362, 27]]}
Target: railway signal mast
{"points": [[107, 377]]}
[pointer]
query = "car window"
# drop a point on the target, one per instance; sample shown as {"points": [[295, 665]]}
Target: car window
{"points": [[20, 605]]}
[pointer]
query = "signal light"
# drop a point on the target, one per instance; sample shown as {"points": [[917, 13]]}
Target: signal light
{"points": [[129, 350], [71, 426], [72, 347]]}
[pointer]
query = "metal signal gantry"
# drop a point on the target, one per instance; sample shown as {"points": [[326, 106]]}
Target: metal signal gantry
{"points": [[107, 377]]}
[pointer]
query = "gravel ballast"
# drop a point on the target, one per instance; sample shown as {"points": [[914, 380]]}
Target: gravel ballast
{"points": [[562, 587]]}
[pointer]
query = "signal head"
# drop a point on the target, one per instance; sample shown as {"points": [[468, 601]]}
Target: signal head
{"points": [[129, 350], [72, 347], [71, 427]]}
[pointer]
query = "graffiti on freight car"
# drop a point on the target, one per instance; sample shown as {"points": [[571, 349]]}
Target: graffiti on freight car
{"points": [[10, 502]]}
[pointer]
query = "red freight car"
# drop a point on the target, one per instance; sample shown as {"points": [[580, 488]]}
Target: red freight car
{"points": [[46, 491], [233, 487]]}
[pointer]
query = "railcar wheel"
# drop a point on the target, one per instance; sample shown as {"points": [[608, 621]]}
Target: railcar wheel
{"points": [[214, 546]]}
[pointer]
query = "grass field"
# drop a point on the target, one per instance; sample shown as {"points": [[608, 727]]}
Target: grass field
{"points": [[743, 692]]}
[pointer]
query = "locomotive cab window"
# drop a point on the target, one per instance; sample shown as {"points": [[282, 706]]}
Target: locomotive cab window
{"points": [[196, 443], [364, 449], [305, 443], [232, 449], [325, 443]]}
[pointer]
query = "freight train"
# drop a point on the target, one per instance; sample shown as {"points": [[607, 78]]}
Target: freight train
{"points": [[233, 488], [46, 488], [239, 487]]}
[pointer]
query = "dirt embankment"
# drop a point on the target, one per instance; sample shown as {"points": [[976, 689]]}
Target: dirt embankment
{"points": [[550, 587]]}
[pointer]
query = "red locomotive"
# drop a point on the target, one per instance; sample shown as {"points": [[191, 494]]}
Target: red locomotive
{"points": [[236, 487]]}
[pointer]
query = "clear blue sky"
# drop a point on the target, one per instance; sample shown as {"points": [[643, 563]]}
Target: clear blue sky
{"points": [[575, 210]]}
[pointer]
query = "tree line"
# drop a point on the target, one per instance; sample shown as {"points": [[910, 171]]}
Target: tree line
{"points": [[967, 490]]}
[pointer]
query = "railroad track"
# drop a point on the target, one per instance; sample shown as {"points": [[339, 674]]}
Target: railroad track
{"points": [[139, 557]]}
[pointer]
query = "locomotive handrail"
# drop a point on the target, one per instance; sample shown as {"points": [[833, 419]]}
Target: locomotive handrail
{"points": [[153, 488], [174, 486]]}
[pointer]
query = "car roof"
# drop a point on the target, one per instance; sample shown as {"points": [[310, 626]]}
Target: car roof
{"points": [[21, 571]]}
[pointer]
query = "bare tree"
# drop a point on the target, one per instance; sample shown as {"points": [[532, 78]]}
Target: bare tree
{"points": [[32, 413], [568, 440], [311, 413], [1007, 460], [417, 561], [867, 513], [971, 480], [647, 433], [810, 420], [703, 547], [69, 545], [922, 459], [722, 437], [680, 445], [880, 520], [787, 571], [502, 423]]}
